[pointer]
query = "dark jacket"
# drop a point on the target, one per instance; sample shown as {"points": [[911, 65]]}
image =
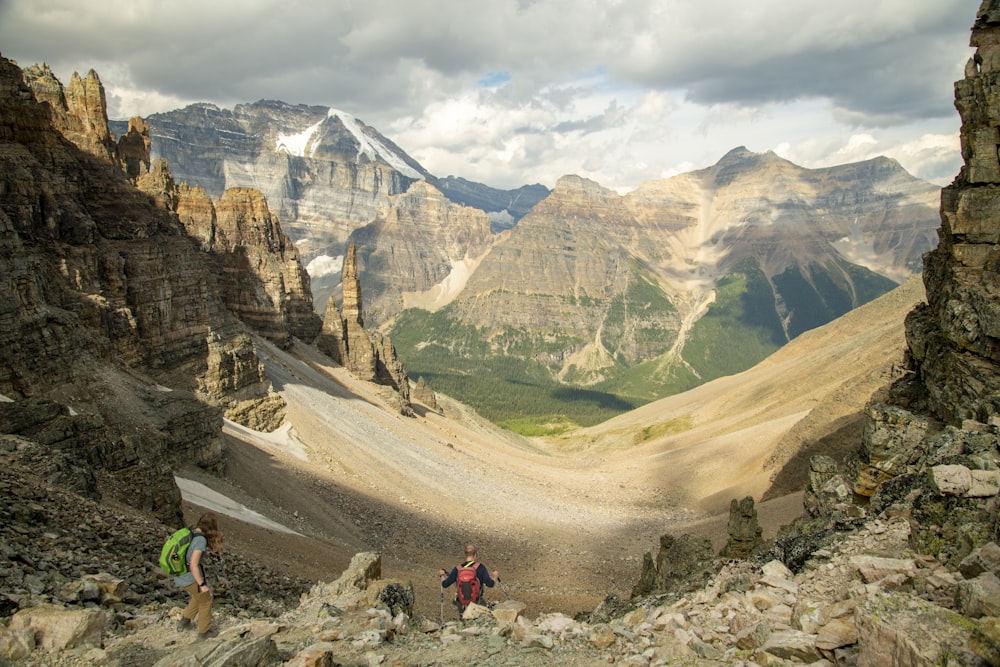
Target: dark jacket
{"points": [[482, 574]]}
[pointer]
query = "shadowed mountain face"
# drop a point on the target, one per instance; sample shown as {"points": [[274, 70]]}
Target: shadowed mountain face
{"points": [[601, 298]]}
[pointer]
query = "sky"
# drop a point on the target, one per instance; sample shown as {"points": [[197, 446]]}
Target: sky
{"points": [[514, 92]]}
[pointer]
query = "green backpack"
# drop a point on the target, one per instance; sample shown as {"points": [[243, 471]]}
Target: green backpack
{"points": [[173, 556]]}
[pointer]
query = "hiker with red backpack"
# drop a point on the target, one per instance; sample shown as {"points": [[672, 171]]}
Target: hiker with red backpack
{"points": [[469, 577]]}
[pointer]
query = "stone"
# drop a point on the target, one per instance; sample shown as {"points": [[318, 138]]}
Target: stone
{"points": [[57, 628], [754, 636], [985, 558], [316, 655], [792, 645], [558, 624], [985, 484], [474, 611], [985, 640], [952, 480], [837, 633], [223, 653], [508, 611], [745, 533], [602, 636], [893, 631], [826, 488], [535, 640], [16, 643], [891, 436], [874, 568], [979, 596], [364, 568], [398, 598]]}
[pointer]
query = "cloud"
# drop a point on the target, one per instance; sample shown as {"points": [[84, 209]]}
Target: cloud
{"points": [[514, 91]]}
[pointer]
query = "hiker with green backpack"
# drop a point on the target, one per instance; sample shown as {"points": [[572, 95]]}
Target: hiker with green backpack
{"points": [[181, 557], [469, 577]]}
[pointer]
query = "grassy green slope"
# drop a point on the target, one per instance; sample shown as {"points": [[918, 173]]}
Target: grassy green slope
{"points": [[507, 384]]}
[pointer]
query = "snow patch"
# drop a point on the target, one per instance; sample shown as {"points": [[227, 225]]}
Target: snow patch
{"points": [[305, 143], [372, 147], [298, 144], [199, 494], [282, 439], [444, 292]]}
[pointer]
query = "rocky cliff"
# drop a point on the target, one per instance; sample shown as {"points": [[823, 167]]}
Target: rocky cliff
{"points": [[946, 408], [119, 348], [322, 171]]}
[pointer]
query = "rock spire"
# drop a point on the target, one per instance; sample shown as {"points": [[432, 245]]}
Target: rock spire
{"points": [[368, 355]]}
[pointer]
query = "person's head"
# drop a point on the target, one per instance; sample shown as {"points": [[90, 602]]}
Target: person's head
{"points": [[208, 525], [470, 552]]}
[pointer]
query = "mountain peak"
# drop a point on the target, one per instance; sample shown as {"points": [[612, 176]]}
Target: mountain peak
{"points": [[742, 156]]}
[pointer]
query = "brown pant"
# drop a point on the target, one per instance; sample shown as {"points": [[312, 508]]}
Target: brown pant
{"points": [[200, 605]]}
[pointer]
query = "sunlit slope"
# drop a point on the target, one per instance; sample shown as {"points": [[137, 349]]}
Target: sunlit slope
{"points": [[732, 437]]}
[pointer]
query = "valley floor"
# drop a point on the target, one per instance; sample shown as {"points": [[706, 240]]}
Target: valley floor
{"points": [[563, 529], [565, 520]]}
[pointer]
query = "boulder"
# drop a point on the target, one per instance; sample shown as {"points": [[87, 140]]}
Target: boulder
{"points": [[508, 611], [57, 628], [984, 559], [893, 631], [252, 652], [979, 597]]}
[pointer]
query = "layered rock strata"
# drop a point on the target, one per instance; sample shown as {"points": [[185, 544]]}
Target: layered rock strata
{"points": [[955, 339], [951, 394], [119, 355]]}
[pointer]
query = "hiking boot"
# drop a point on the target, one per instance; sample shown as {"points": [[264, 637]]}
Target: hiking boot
{"points": [[184, 624], [208, 634]]}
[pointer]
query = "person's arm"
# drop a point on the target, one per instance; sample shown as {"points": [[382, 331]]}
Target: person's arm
{"points": [[197, 572], [445, 583], [484, 575]]}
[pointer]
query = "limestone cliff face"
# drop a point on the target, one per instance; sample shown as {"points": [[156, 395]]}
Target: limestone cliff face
{"points": [[955, 339], [322, 172], [116, 348], [266, 285], [565, 272], [78, 111], [420, 252], [761, 206]]}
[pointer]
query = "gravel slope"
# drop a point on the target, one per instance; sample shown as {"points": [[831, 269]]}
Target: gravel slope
{"points": [[565, 520]]}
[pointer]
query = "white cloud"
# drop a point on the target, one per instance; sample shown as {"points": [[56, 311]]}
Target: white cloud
{"points": [[509, 91]]}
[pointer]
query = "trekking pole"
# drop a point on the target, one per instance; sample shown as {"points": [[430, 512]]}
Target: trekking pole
{"points": [[503, 587], [442, 605]]}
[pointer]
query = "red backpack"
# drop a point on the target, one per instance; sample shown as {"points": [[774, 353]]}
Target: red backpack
{"points": [[469, 587]]}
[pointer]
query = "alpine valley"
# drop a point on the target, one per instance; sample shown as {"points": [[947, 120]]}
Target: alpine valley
{"points": [[162, 355], [538, 307]]}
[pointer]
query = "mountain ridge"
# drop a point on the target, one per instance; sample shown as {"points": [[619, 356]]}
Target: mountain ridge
{"points": [[633, 295]]}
